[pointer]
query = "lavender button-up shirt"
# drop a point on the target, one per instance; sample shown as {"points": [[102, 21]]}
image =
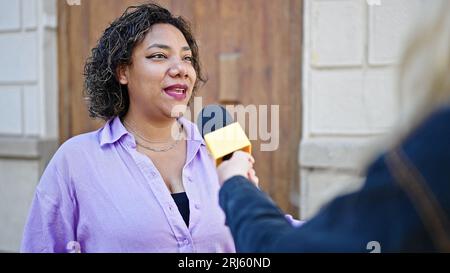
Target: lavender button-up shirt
{"points": [[98, 194]]}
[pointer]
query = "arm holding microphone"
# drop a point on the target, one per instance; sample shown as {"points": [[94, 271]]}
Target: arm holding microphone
{"points": [[347, 224], [402, 207], [254, 220]]}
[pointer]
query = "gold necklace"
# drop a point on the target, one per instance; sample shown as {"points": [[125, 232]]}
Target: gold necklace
{"points": [[158, 150], [135, 132]]}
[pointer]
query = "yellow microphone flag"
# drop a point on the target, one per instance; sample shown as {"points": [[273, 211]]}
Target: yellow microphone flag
{"points": [[227, 140]]}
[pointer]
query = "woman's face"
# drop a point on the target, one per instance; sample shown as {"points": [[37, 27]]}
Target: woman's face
{"points": [[161, 76]]}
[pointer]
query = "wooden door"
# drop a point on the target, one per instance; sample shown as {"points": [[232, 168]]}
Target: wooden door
{"points": [[251, 53]]}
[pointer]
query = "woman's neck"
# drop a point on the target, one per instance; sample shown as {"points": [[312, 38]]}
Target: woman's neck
{"points": [[152, 129]]}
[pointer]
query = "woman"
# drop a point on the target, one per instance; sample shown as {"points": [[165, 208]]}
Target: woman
{"points": [[144, 182], [404, 205]]}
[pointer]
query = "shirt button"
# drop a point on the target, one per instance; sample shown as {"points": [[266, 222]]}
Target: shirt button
{"points": [[170, 208], [197, 206], [186, 241]]}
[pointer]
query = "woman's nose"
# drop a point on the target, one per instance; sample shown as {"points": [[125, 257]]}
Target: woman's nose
{"points": [[178, 69]]}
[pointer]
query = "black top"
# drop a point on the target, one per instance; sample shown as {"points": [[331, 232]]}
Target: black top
{"points": [[182, 202]]}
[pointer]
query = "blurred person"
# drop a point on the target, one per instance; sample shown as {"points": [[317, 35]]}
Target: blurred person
{"points": [[404, 204], [144, 182]]}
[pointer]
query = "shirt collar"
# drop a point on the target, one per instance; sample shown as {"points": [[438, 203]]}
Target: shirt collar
{"points": [[114, 130]]}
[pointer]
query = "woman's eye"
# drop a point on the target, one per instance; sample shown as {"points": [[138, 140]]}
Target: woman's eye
{"points": [[189, 59], [157, 56]]}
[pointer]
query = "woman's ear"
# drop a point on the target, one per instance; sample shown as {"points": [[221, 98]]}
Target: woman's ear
{"points": [[122, 74]]}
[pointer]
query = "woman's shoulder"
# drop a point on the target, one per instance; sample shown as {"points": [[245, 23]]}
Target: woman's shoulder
{"points": [[76, 148], [84, 147], [70, 157], [86, 141], [434, 129], [65, 163]]}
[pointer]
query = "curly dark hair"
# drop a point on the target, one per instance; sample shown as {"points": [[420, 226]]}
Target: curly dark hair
{"points": [[106, 97]]}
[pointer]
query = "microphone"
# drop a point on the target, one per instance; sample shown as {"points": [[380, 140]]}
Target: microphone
{"points": [[222, 135]]}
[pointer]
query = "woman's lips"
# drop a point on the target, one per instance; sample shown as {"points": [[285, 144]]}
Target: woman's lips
{"points": [[176, 91], [175, 95]]}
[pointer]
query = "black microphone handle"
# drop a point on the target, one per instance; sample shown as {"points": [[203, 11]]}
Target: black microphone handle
{"points": [[228, 156]]}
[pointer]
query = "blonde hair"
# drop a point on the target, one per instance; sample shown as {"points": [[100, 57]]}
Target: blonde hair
{"points": [[424, 79]]}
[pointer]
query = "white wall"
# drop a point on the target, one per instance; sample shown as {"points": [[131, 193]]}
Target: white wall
{"points": [[28, 107], [351, 48]]}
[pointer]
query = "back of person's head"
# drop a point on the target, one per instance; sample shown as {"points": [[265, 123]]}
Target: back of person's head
{"points": [[423, 82]]}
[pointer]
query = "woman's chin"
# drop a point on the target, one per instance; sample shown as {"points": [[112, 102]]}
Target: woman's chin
{"points": [[177, 110]]}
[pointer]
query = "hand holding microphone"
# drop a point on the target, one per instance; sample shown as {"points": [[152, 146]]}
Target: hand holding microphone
{"points": [[241, 163], [227, 143]]}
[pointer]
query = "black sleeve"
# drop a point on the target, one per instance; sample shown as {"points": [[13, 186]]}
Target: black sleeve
{"points": [[253, 218], [378, 212]]}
